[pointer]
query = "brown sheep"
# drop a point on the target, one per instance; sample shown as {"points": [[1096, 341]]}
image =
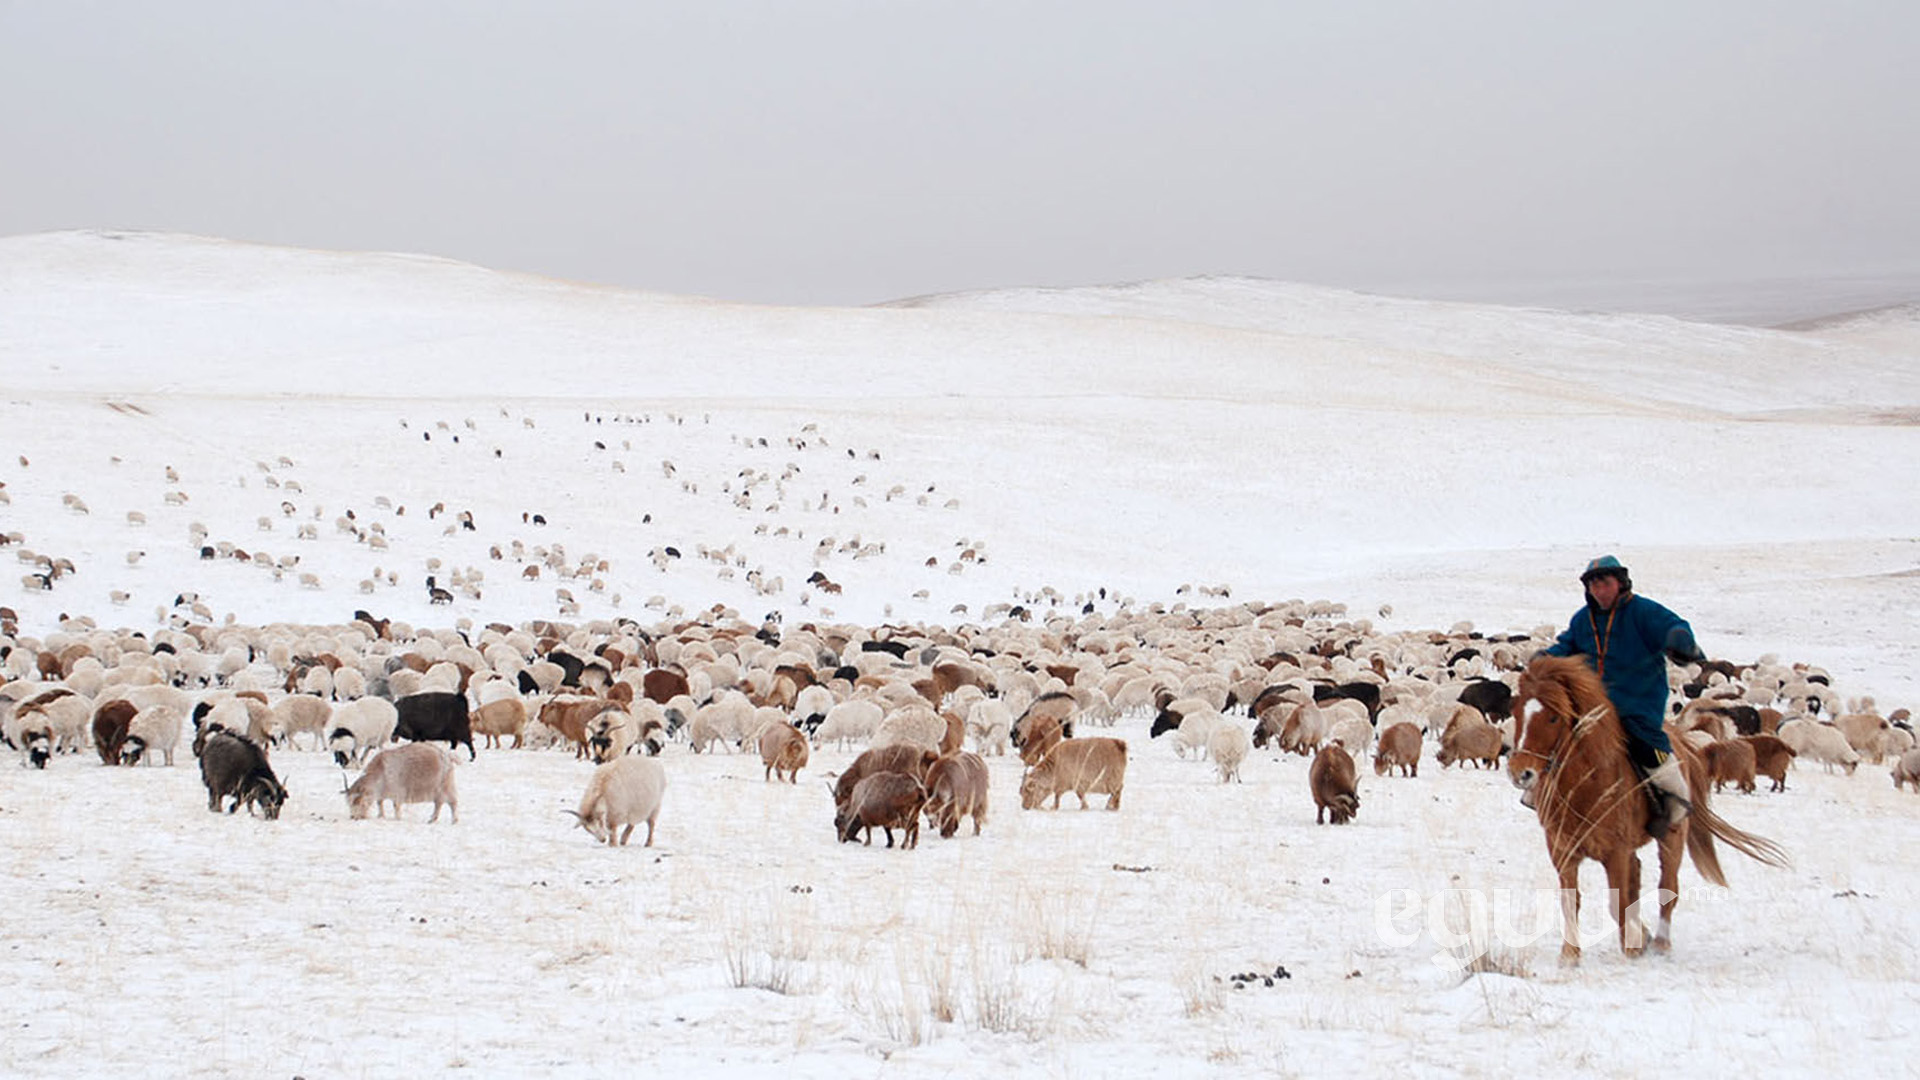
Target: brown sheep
{"points": [[1771, 758], [497, 719], [662, 685], [1399, 747], [1481, 743], [783, 749], [1304, 729], [569, 715], [1907, 771], [1731, 762], [111, 722], [888, 801], [1094, 765], [1331, 776], [1047, 721], [957, 788], [1042, 734]]}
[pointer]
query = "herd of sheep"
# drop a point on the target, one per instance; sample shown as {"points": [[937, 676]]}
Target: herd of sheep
{"points": [[928, 704]]}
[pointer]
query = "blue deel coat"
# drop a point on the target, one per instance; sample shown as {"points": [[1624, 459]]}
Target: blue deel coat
{"points": [[1629, 647]]}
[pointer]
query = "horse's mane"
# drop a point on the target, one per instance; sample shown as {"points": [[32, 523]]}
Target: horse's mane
{"points": [[1565, 685]]}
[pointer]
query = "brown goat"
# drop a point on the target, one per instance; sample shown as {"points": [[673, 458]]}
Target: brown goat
{"points": [[887, 801], [1331, 776], [1770, 758], [901, 758], [957, 788]]}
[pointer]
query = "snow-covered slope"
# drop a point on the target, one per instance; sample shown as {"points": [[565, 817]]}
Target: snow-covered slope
{"points": [[1455, 461]]}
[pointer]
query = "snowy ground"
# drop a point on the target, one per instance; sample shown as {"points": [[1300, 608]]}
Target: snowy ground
{"points": [[1455, 462]]}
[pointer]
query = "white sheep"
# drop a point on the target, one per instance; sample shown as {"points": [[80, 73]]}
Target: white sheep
{"points": [[361, 727], [303, 713], [991, 725], [1820, 742], [853, 720], [1353, 734], [727, 719], [154, 729], [1229, 744], [1198, 718], [910, 725], [620, 795]]}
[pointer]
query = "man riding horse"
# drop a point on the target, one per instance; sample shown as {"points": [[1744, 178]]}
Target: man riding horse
{"points": [[1627, 639]]}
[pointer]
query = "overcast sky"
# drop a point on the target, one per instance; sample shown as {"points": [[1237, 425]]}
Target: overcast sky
{"points": [[852, 152]]}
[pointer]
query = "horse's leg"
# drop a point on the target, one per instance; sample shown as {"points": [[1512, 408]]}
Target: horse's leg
{"points": [[1569, 910], [1623, 874], [1672, 850]]}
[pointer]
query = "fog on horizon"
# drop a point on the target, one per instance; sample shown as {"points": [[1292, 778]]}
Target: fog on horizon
{"points": [[857, 151]]}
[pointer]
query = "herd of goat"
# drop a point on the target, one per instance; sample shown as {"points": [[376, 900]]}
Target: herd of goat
{"points": [[929, 704]]}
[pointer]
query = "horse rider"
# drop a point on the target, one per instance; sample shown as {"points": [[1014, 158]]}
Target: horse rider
{"points": [[1627, 638]]}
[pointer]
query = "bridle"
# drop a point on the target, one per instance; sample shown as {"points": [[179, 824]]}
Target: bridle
{"points": [[1567, 739]]}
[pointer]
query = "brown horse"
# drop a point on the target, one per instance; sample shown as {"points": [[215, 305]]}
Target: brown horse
{"points": [[1572, 751]]}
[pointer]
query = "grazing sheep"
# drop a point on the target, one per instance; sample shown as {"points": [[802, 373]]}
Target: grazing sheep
{"points": [[991, 725], [1771, 757], [1907, 771], [498, 719], [1334, 785], [298, 713], [1094, 764], [1399, 747], [1304, 730], [360, 727], [911, 725], [1820, 742], [155, 728], [886, 801], [620, 795], [569, 716], [1228, 744], [783, 749], [414, 773], [59, 711], [1868, 733], [1352, 733], [1731, 762], [957, 788], [1481, 743], [111, 722], [1047, 720]]}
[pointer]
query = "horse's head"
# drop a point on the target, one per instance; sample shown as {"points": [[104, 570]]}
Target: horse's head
{"points": [[1554, 698]]}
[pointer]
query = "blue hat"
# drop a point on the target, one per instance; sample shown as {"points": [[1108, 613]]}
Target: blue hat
{"points": [[1605, 564]]}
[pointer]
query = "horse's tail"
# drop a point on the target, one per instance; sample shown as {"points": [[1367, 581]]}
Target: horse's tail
{"points": [[1705, 827]]}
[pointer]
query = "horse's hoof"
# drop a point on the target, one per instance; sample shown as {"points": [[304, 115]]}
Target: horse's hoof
{"points": [[1569, 956]]}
